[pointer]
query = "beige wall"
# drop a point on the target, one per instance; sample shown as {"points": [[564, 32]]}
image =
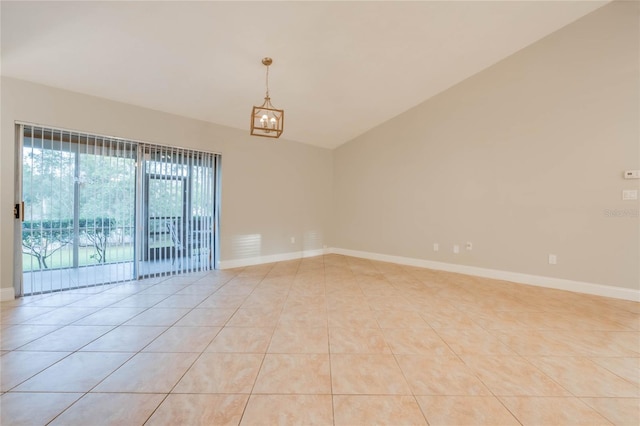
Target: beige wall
{"points": [[262, 205], [523, 160]]}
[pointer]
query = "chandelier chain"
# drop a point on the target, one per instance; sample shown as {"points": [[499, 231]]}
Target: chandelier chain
{"points": [[267, 81]]}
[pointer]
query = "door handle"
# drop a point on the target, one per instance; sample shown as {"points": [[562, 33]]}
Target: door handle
{"points": [[18, 211]]}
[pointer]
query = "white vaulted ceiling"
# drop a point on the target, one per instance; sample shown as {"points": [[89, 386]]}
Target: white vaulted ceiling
{"points": [[340, 68]]}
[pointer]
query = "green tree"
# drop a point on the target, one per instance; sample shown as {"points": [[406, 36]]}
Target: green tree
{"points": [[42, 239], [97, 231]]}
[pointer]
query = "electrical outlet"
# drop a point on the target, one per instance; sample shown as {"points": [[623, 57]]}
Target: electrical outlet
{"points": [[436, 247], [553, 259], [456, 249], [293, 240], [469, 245], [629, 194], [632, 174]]}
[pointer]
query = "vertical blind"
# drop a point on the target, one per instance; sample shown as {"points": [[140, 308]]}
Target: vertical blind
{"points": [[178, 210], [102, 210]]}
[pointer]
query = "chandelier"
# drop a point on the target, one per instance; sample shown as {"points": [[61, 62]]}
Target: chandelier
{"points": [[267, 120]]}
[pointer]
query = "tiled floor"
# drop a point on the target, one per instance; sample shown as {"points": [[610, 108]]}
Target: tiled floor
{"points": [[325, 340]]}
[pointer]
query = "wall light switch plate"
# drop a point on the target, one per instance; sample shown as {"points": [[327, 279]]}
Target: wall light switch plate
{"points": [[436, 247], [456, 249], [629, 194], [553, 259]]}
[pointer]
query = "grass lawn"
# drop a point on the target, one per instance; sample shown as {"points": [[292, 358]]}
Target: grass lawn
{"points": [[63, 258]]}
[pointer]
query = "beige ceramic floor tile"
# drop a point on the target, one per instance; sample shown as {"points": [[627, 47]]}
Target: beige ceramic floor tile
{"points": [[288, 410], [16, 367], [584, 378], [465, 410], [552, 411], [377, 410], [299, 374], [252, 318], [447, 318], [69, 338], [415, 341], [265, 300], [440, 375], [61, 316], [221, 373], [352, 319], [230, 289], [512, 375], [189, 301], [140, 301], [206, 317], [26, 409], [16, 315], [310, 298], [115, 409], [204, 410], [619, 411], [500, 320], [387, 327], [126, 338], [627, 368], [241, 340], [110, 316], [387, 303], [16, 336], [304, 318], [204, 290], [601, 343], [345, 303], [183, 339], [298, 340], [626, 343], [79, 372], [148, 373], [367, 374], [98, 301], [357, 341], [400, 319], [232, 301], [165, 288], [473, 341], [534, 343], [158, 316]]}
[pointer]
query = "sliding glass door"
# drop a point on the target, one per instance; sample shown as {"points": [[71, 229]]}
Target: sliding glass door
{"points": [[100, 210], [178, 211]]}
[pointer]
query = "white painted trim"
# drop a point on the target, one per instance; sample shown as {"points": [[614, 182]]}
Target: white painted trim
{"points": [[7, 294], [535, 280], [249, 261]]}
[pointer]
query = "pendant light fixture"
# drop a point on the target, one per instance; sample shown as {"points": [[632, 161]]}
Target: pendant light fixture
{"points": [[267, 120]]}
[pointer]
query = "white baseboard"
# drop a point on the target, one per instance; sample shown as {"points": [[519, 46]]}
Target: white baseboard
{"points": [[535, 280], [7, 294], [250, 261]]}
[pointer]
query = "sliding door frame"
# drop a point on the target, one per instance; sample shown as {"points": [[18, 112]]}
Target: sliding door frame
{"points": [[140, 150], [18, 275]]}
